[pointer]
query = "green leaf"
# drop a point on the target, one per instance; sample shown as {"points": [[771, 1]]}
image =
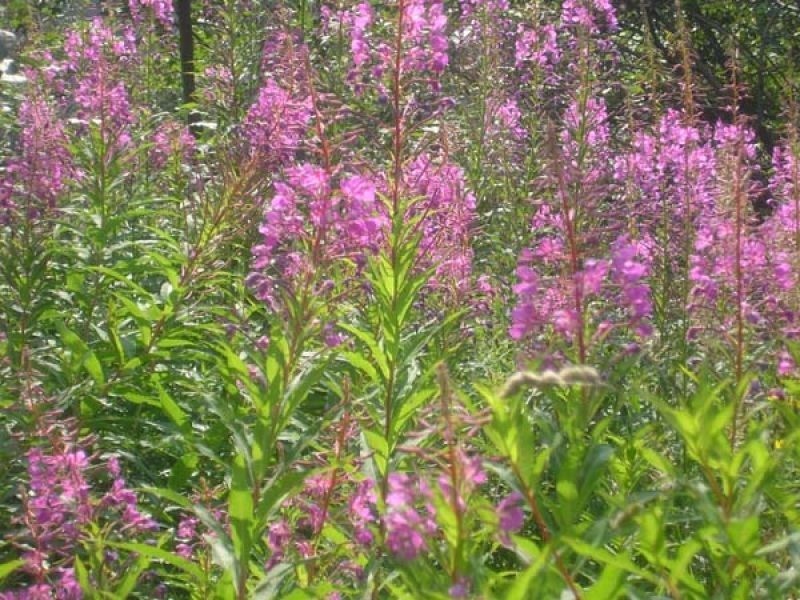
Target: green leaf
{"points": [[182, 469], [376, 352], [9, 567], [78, 347], [523, 581], [278, 490], [233, 361], [159, 554], [142, 319], [131, 577], [167, 343], [744, 536], [380, 449], [780, 544], [298, 391], [83, 576], [93, 367], [609, 586], [603, 556], [269, 588], [657, 461], [170, 495], [410, 405], [681, 570], [223, 554], [174, 412], [240, 509], [122, 278], [592, 469], [299, 594], [362, 364]]}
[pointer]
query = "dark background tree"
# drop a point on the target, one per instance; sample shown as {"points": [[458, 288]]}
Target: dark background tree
{"points": [[764, 34], [183, 8]]}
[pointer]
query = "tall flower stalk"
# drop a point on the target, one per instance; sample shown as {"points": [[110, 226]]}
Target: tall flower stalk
{"points": [[567, 269]]}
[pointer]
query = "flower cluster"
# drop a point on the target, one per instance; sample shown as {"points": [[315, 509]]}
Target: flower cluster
{"points": [[484, 19], [783, 229], [309, 225], [361, 19], [328, 497], [557, 301], [746, 266], [631, 264], [537, 46], [171, 140], [410, 517], [36, 178], [362, 511], [162, 10], [504, 120], [59, 507], [447, 209], [425, 24], [510, 515], [782, 232], [669, 178], [192, 536], [97, 59], [424, 37], [569, 267], [276, 123], [595, 16]]}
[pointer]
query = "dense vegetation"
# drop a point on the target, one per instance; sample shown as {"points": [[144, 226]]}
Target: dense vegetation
{"points": [[410, 299]]}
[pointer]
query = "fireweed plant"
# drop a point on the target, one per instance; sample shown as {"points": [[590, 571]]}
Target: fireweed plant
{"points": [[414, 299]]}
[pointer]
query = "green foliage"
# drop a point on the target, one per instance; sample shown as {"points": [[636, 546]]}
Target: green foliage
{"points": [[127, 328]]}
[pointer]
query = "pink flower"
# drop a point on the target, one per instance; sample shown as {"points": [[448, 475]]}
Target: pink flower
{"points": [[275, 124], [539, 47], [448, 207], [407, 529], [786, 364], [460, 589], [162, 10], [36, 178], [361, 21], [171, 140], [60, 505], [510, 513]]}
